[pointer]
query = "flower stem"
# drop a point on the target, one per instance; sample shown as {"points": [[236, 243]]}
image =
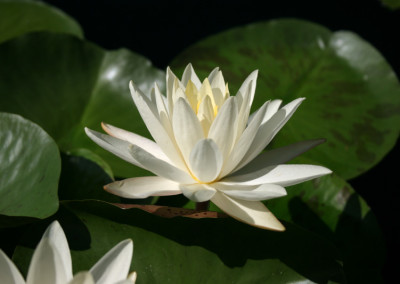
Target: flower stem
{"points": [[202, 206]]}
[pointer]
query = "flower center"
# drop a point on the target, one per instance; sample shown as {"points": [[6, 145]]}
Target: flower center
{"points": [[205, 102]]}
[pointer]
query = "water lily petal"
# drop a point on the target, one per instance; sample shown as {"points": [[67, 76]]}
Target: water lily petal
{"points": [[245, 86], [114, 145], [251, 212], [242, 145], [84, 277], [268, 130], [223, 129], [198, 192], [159, 167], [9, 273], [157, 130], [59, 241], [114, 265], [132, 138], [143, 187], [206, 160], [278, 156], [187, 128], [284, 175], [46, 260], [273, 107], [190, 74], [252, 193], [244, 112]]}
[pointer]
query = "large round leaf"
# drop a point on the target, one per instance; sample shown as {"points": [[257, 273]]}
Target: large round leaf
{"points": [[353, 95], [329, 207], [29, 170], [20, 17], [64, 84], [184, 250]]}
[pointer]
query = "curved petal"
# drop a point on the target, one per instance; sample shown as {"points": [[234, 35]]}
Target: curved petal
{"points": [[223, 129], [242, 145], [84, 277], [157, 130], [252, 193], [278, 156], [118, 147], [253, 213], [114, 265], [186, 126], [268, 130], [198, 192], [8, 271], [206, 160], [159, 167], [190, 74], [132, 138], [47, 261], [59, 241], [284, 175], [244, 87], [143, 187]]}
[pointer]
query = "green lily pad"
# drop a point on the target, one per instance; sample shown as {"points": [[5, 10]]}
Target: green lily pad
{"points": [[391, 4], [83, 179], [29, 170], [20, 17], [184, 250], [353, 95], [65, 84], [329, 207]]}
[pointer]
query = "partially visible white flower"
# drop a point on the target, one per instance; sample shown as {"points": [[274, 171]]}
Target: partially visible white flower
{"points": [[51, 263], [206, 147]]}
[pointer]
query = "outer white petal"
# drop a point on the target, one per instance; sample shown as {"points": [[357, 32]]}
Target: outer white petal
{"points": [[143, 187], [187, 128], [46, 260], [278, 156], [244, 88], [284, 175], [198, 192], [8, 272], [206, 160], [244, 111], [159, 167], [114, 265], [251, 212], [132, 138], [84, 277], [190, 74], [242, 145], [118, 147], [268, 130], [59, 241], [223, 129], [157, 130], [252, 193], [273, 107]]}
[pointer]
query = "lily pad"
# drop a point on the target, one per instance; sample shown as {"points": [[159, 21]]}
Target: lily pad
{"points": [[29, 170], [329, 207], [20, 17], [183, 250], [353, 95], [65, 84]]}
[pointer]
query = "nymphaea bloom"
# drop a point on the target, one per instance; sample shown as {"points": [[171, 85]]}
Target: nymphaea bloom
{"points": [[207, 147], [51, 264]]}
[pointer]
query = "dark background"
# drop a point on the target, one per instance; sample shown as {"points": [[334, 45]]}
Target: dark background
{"points": [[159, 30]]}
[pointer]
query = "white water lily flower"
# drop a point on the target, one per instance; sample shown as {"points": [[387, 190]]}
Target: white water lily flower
{"points": [[206, 147], [51, 263]]}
